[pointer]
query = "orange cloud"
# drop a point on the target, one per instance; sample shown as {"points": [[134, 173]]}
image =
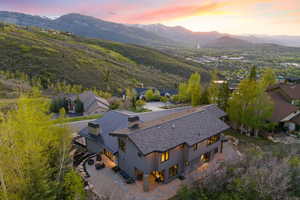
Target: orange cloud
{"points": [[173, 12]]}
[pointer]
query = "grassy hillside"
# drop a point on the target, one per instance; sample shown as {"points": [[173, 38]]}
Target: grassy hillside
{"points": [[57, 56]]}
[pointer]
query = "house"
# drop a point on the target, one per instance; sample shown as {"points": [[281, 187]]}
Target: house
{"points": [[100, 140], [92, 104], [167, 92], [293, 80], [158, 146], [286, 99], [140, 92]]}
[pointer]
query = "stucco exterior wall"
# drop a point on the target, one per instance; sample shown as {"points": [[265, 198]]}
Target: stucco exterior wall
{"points": [[131, 159]]}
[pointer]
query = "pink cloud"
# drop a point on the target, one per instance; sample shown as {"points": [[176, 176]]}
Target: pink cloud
{"points": [[173, 12]]}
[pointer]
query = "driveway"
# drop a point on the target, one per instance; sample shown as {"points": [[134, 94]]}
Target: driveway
{"points": [[112, 185], [156, 106]]}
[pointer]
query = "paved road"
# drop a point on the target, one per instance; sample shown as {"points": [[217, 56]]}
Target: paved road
{"points": [[155, 106]]}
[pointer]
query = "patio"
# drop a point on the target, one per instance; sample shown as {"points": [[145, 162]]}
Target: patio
{"points": [[110, 184]]}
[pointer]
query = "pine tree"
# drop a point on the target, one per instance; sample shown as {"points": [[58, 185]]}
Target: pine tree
{"points": [[204, 98], [223, 96]]}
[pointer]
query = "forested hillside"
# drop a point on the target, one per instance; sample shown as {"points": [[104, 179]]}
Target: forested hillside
{"points": [[59, 56]]}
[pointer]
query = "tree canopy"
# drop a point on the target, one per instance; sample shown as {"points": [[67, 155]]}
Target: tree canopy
{"points": [[250, 106], [35, 161]]}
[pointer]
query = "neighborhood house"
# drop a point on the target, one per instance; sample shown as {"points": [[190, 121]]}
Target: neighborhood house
{"points": [[92, 104], [141, 92], [158, 146], [286, 99]]}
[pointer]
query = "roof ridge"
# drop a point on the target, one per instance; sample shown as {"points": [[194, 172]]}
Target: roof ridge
{"points": [[164, 122], [164, 119]]}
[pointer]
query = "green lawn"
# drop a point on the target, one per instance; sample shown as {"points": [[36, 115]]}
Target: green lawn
{"points": [[138, 110]]}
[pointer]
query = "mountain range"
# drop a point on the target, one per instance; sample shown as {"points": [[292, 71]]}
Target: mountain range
{"points": [[154, 35], [55, 56]]}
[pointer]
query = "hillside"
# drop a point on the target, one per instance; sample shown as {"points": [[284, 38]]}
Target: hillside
{"points": [[59, 56], [182, 35], [88, 27], [153, 35], [227, 42]]}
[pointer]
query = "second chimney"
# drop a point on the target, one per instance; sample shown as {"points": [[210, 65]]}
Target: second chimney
{"points": [[94, 128], [133, 122]]}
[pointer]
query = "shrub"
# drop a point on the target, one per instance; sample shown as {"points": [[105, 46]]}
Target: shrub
{"points": [[140, 103], [164, 99]]}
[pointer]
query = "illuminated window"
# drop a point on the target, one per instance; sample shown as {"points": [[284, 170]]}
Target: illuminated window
{"points": [[164, 156], [213, 139], [205, 157], [173, 171], [122, 145], [195, 147]]}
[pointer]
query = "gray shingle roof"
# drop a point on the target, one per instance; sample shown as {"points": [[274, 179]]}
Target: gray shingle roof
{"points": [[188, 129], [215, 110], [116, 120]]}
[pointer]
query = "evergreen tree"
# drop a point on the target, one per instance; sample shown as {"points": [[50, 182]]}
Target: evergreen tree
{"points": [[224, 94], [253, 74], [213, 89], [204, 97]]}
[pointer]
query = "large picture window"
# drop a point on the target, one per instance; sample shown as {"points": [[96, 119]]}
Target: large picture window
{"points": [[164, 156]]}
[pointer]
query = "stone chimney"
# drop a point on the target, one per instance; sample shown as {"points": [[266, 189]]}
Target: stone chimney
{"points": [[133, 122], [94, 128]]}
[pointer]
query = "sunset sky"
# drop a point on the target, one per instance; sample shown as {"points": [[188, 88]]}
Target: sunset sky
{"points": [[273, 17]]}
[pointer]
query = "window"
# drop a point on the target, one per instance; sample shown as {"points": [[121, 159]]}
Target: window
{"points": [[109, 154], [173, 171], [187, 163], [164, 156], [213, 139], [195, 147], [205, 157], [122, 145], [159, 176]]}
